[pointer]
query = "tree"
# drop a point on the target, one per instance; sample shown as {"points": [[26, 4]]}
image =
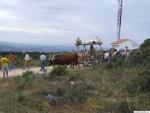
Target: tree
{"points": [[142, 55]]}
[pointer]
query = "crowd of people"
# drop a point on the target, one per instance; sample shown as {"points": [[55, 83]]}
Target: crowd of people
{"points": [[8, 63], [103, 56]]}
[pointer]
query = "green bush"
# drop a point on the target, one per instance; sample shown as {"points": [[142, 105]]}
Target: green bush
{"points": [[59, 71], [146, 44], [115, 62], [28, 76], [141, 57], [24, 81], [140, 84], [125, 107], [21, 98], [75, 94], [72, 76], [19, 62]]}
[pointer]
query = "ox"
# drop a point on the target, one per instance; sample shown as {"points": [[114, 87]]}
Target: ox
{"points": [[65, 59]]}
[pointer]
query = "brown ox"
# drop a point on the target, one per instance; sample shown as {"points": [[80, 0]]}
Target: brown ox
{"points": [[65, 59]]}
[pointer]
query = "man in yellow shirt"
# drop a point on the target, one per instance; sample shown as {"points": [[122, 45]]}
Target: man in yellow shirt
{"points": [[4, 64]]}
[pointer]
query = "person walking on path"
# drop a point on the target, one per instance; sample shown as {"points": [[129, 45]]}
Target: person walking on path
{"points": [[11, 61], [43, 60], [27, 61], [4, 64]]}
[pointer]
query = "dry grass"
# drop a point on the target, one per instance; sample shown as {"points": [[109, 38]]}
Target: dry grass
{"points": [[79, 91]]}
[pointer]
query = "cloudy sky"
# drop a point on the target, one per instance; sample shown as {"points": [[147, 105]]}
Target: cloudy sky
{"points": [[54, 22]]}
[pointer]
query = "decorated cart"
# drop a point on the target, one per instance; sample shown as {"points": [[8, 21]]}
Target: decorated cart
{"points": [[90, 49]]}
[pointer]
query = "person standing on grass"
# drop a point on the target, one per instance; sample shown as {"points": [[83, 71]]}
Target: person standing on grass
{"points": [[43, 61], [11, 61], [4, 64], [27, 61], [107, 56]]}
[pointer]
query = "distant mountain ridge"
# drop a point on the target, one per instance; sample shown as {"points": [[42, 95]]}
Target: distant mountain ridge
{"points": [[6, 47]]}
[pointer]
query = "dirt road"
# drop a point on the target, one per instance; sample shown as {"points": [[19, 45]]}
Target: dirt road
{"points": [[19, 72]]}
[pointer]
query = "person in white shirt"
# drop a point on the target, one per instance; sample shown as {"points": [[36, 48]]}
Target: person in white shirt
{"points": [[27, 60], [43, 60], [106, 56]]}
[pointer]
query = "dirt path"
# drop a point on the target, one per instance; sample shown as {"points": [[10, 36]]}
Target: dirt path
{"points": [[19, 72]]}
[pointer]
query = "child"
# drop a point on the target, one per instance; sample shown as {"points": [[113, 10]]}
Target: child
{"points": [[4, 63]]}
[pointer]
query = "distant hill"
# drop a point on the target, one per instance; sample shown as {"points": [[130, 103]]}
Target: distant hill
{"points": [[5, 47]]}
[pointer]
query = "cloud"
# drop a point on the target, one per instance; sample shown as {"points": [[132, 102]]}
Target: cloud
{"points": [[10, 2], [8, 15], [59, 22]]}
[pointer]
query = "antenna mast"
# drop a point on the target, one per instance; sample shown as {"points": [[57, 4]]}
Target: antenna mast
{"points": [[119, 19]]}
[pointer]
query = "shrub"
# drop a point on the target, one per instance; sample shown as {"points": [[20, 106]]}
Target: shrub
{"points": [[125, 107], [74, 76], [140, 84], [24, 81], [91, 105], [145, 44], [21, 98], [142, 55], [28, 76], [59, 71], [75, 94], [19, 62], [115, 63]]}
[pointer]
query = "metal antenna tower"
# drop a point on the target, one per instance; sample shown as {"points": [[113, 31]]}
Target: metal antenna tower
{"points": [[119, 19]]}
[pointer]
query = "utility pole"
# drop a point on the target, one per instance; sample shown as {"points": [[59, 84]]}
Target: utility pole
{"points": [[119, 19]]}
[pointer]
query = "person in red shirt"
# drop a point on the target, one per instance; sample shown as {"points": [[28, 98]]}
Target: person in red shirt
{"points": [[11, 61]]}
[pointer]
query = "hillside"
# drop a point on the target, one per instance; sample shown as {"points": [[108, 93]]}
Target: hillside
{"points": [[4, 47], [118, 86]]}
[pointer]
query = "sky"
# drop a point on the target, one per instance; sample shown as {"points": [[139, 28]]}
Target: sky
{"points": [[60, 22]]}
